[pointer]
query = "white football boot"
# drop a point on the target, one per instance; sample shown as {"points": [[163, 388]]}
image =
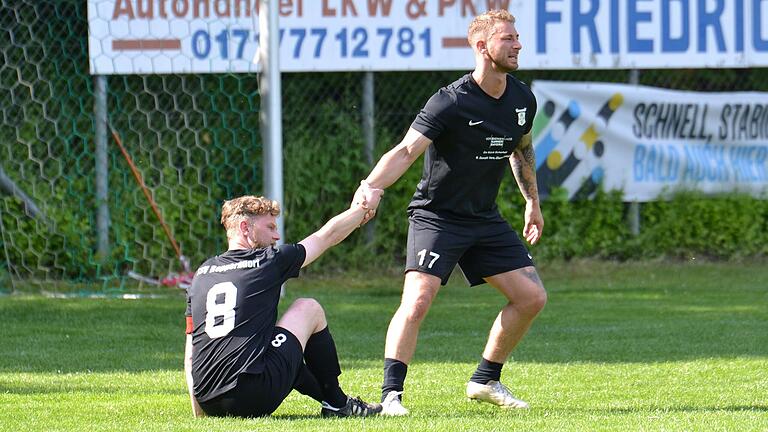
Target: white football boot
{"points": [[494, 393], [392, 405]]}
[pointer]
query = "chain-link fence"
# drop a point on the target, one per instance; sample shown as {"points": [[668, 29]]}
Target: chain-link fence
{"points": [[195, 141]]}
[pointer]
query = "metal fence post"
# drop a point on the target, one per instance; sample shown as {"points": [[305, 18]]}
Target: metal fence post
{"points": [[270, 116], [271, 122], [7, 255], [369, 133], [102, 173], [633, 210]]}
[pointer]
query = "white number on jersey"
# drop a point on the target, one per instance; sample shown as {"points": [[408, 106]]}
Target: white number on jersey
{"points": [[225, 310], [422, 256], [279, 339]]}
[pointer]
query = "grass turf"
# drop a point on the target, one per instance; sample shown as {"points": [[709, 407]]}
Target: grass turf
{"points": [[650, 346]]}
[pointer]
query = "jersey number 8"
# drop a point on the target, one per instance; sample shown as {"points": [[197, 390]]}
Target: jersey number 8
{"points": [[224, 311]]}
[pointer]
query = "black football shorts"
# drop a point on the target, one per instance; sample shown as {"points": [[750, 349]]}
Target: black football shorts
{"points": [[435, 246], [259, 395]]}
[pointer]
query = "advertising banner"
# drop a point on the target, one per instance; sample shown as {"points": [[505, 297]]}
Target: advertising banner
{"points": [[211, 36], [649, 142]]}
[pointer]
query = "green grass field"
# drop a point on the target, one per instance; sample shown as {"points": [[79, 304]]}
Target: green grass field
{"points": [[628, 347]]}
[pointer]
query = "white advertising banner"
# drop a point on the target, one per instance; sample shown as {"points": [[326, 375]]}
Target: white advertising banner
{"points": [[209, 36], [649, 142]]}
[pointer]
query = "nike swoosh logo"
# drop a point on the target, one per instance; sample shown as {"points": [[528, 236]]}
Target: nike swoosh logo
{"points": [[475, 123]]}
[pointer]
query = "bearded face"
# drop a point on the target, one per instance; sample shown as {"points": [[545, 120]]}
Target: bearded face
{"points": [[262, 231], [503, 47]]}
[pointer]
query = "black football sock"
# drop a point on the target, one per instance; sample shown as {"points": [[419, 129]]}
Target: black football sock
{"points": [[323, 361], [307, 384], [487, 371], [394, 376]]}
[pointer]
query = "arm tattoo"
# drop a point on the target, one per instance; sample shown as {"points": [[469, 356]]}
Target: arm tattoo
{"points": [[523, 162]]}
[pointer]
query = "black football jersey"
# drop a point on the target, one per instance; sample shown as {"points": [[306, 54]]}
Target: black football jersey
{"points": [[473, 135], [233, 303]]}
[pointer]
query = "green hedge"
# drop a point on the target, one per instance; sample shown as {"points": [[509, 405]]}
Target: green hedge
{"points": [[320, 177]]}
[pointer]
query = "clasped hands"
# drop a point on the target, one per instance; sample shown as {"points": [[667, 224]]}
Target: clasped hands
{"points": [[367, 197]]}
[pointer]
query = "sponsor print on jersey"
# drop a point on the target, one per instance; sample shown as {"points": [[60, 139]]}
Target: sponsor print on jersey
{"points": [[496, 148], [239, 265], [556, 133], [557, 168], [521, 116]]}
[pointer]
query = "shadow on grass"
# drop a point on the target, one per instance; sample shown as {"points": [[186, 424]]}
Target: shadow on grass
{"points": [[291, 417]]}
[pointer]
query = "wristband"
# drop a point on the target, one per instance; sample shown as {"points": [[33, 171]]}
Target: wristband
{"points": [[190, 325]]}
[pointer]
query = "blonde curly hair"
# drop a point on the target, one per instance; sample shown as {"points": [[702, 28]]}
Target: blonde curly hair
{"points": [[483, 25], [241, 208]]}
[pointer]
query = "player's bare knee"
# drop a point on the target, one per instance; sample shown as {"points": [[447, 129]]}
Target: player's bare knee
{"points": [[416, 309], [532, 303], [538, 300], [419, 291], [309, 307]]}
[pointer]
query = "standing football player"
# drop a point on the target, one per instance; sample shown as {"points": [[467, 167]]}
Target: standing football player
{"points": [[472, 131]]}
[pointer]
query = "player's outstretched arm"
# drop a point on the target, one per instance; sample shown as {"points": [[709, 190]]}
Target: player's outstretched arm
{"points": [[393, 165], [333, 232], [197, 411], [523, 162]]}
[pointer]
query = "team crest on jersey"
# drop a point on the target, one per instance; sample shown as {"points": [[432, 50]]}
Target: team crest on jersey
{"points": [[520, 115]]}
